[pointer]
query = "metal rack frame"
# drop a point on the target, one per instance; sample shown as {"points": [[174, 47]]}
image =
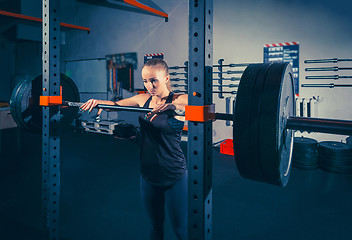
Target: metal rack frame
{"points": [[200, 133], [200, 80]]}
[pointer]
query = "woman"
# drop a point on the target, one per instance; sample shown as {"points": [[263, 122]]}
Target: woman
{"points": [[163, 178]]}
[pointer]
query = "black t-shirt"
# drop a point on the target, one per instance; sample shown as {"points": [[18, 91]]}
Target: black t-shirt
{"points": [[162, 160]]}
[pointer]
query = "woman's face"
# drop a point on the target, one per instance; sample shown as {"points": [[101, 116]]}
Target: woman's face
{"points": [[154, 80]]}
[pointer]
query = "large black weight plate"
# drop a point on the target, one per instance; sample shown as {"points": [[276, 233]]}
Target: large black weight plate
{"points": [[278, 103], [246, 146], [25, 107], [262, 145]]}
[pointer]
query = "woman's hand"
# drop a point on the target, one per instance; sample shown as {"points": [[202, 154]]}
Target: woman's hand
{"points": [[159, 108], [89, 105]]}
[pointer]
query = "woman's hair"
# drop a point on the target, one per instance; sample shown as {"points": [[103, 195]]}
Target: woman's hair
{"points": [[161, 65]]}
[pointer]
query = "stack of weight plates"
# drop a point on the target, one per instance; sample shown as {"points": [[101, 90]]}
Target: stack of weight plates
{"points": [[349, 140], [305, 153], [335, 157]]}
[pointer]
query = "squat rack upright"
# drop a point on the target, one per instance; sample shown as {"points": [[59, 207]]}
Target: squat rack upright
{"points": [[200, 129]]}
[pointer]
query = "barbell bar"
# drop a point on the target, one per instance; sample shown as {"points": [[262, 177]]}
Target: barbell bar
{"points": [[329, 60], [327, 85], [122, 108], [335, 77], [335, 69], [264, 120]]}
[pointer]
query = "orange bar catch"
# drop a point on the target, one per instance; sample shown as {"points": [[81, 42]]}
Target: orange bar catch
{"points": [[200, 113], [51, 100]]}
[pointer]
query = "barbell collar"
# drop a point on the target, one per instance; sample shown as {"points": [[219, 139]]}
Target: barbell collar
{"points": [[332, 126]]}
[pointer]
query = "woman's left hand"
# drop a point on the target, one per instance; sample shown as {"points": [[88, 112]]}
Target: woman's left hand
{"points": [[160, 108]]}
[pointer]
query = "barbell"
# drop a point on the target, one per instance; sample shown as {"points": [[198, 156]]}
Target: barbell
{"points": [[264, 119]]}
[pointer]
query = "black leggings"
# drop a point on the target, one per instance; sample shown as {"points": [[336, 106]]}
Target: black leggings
{"points": [[175, 197]]}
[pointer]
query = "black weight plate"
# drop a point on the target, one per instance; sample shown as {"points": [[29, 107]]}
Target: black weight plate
{"points": [[246, 153], [276, 142], [25, 102], [305, 141], [15, 111], [335, 157], [349, 140], [305, 153]]}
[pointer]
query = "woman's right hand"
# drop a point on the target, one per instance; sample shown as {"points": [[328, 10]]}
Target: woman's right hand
{"points": [[89, 105]]}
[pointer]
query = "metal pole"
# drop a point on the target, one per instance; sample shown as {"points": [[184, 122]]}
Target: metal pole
{"points": [[200, 66], [51, 120], [332, 126]]}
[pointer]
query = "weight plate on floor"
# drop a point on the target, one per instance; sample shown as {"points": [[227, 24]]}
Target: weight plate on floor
{"points": [[305, 153], [25, 107], [335, 157]]}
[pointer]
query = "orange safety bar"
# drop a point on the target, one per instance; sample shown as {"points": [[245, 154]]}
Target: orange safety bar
{"points": [[200, 113], [39, 20], [51, 100], [146, 8]]}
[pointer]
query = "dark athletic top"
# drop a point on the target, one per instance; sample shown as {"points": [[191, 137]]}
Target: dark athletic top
{"points": [[162, 160]]}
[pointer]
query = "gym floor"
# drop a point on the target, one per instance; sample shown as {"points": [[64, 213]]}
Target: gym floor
{"points": [[100, 195]]}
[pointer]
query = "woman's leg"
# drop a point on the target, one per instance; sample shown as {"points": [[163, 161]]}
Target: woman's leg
{"points": [[153, 201], [177, 202]]}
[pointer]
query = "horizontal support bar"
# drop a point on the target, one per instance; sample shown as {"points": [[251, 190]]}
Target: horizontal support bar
{"points": [[229, 72], [146, 8], [329, 85], [332, 126], [335, 77], [328, 60], [224, 116], [327, 69], [39, 20]]}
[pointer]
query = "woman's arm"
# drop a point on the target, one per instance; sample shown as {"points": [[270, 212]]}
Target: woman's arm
{"points": [[179, 103], [134, 101]]}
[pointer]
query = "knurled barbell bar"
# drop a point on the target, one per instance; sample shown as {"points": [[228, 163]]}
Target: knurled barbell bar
{"points": [[264, 119]]}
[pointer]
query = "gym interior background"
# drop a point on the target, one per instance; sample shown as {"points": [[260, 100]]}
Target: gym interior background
{"points": [[100, 174]]}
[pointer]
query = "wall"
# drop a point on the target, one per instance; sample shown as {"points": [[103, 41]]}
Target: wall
{"points": [[241, 28], [322, 28]]}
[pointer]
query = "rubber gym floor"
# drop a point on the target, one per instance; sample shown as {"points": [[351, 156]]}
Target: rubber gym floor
{"points": [[100, 195]]}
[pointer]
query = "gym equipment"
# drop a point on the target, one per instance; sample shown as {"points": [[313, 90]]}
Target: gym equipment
{"points": [[231, 79], [335, 157], [327, 69], [24, 102], [329, 60], [328, 77], [229, 72], [305, 153], [124, 108], [263, 118], [349, 140], [329, 85], [230, 85]]}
